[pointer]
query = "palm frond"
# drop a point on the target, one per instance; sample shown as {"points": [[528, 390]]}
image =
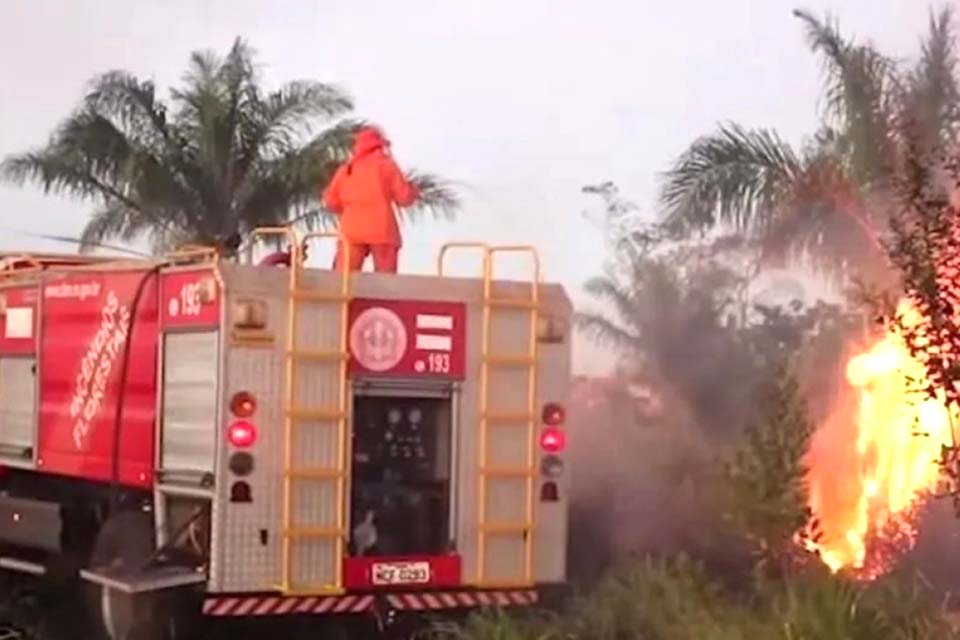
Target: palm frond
{"points": [[273, 126], [285, 190], [735, 177], [824, 222], [83, 246], [113, 222], [859, 94], [607, 333], [131, 102], [438, 198], [622, 298], [59, 173], [932, 100]]}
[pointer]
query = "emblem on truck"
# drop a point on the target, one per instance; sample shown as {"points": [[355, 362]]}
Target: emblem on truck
{"points": [[378, 339]]}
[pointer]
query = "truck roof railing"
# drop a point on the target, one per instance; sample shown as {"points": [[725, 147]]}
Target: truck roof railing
{"points": [[19, 263]]}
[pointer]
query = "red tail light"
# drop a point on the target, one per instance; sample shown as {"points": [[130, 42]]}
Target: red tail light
{"points": [[549, 492], [554, 414], [553, 440], [240, 492], [242, 434], [243, 405]]}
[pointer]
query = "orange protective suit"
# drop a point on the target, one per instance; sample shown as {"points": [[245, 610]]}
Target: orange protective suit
{"points": [[363, 192]]}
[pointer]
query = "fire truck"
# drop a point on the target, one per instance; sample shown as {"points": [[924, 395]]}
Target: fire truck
{"points": [[201, 435]]}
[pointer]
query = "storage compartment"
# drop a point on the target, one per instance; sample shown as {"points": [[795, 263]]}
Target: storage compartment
{"points": [[400, 503], [18, 398], [190, 397]]}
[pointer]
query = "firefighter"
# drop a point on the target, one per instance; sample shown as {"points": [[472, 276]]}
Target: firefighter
{"points": [[363, 192]]}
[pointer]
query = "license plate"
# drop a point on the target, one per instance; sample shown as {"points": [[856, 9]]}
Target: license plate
{"points": [[388, 573]]}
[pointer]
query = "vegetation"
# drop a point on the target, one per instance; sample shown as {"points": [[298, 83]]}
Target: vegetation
{"points": [[767, 479], [220, 158], [925, 248], [828, 202], [678, 311]]}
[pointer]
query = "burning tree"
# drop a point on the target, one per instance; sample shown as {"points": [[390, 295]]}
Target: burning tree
{"points": [[828, 205], [925, 248]]}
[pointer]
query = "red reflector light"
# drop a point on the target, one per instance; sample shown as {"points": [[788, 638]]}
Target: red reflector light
{"points": [[242, 434], [553, 440], [549, 492], [243, 405], [240, 492], [554, 414]]}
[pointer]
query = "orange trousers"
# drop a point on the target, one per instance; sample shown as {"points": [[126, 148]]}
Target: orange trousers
{"points": [[384, 257]]}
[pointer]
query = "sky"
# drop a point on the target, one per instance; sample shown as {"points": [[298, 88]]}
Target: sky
{"points": [[521, 103]]}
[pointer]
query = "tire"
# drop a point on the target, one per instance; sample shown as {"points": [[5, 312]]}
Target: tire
{"points": [[21, 607], [127, 540]]}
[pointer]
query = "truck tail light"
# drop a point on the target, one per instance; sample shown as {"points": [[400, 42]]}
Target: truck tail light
{"points": [[243, 405], [554, 414], [553, 440], [549, 492], [240, 492], [241, 434], [551, 466]]}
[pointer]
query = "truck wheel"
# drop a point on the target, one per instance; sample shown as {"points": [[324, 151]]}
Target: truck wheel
{"points": [[127, 540]]}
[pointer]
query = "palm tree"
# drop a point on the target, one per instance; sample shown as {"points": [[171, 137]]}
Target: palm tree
{"points": [[221, 157], [825, 203], [671, 318]]}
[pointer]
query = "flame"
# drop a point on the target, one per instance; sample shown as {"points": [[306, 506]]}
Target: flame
{"points": [[874, 462]]}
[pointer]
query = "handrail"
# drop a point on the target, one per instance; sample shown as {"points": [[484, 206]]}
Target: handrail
{"points": [[341, 246], [285, 232], [535, 258], [18, 264], [191, 252], [445, 249]]}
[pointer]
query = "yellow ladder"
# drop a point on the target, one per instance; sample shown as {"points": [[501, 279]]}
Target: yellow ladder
{"points": [[298, 416], [528, 419]]}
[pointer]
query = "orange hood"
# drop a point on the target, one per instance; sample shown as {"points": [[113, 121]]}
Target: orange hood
{"points": [[368, 139]]}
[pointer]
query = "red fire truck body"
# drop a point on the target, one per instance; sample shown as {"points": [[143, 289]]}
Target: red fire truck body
{"points": [[298, 441]]}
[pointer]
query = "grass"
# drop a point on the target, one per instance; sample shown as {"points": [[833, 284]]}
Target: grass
{"points": [[676, 599]]}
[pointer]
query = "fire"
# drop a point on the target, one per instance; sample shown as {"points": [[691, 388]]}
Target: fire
{"points": [[874, 462]]}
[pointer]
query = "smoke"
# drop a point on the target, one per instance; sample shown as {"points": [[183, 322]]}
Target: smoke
{"points": [[693, 351]]}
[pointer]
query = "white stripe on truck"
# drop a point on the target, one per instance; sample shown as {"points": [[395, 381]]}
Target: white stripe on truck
{"points": [[427, 342], [430, 321]]}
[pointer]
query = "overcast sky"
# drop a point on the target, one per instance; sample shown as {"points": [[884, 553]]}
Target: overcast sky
{"points": [[523, 101]]}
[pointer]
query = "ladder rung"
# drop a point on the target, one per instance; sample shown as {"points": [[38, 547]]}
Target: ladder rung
{"points": [[312, 533], [507, 472], [511, 360], [503, 528], [316, 474], [316, 414], [319, 297], [513, 303], [521, 418], [318, 355]]}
